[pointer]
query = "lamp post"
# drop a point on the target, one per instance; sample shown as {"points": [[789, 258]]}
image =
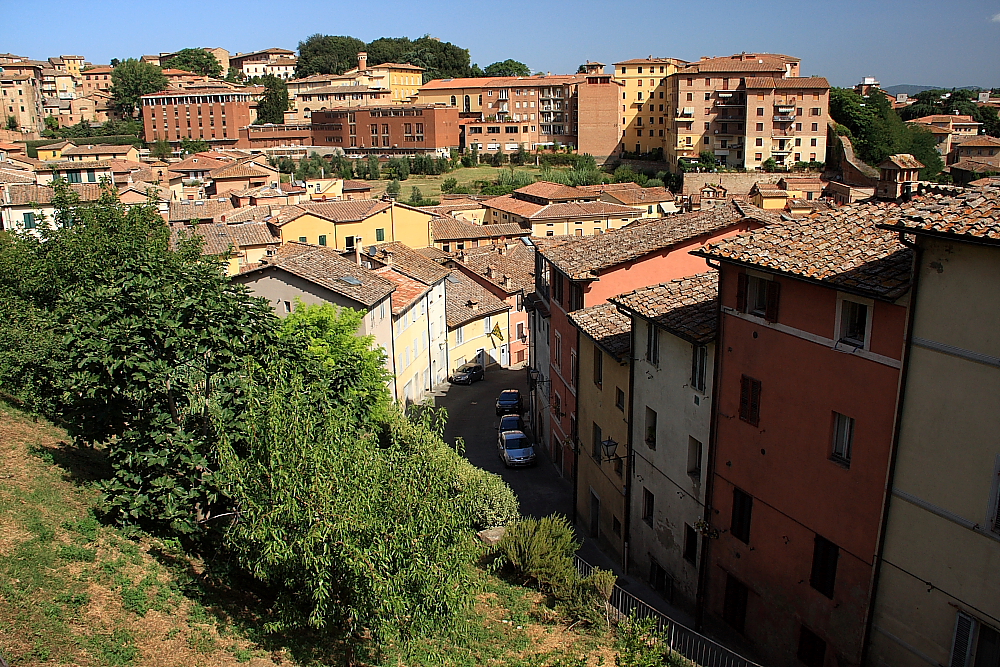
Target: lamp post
{"points": [[610, 447]]}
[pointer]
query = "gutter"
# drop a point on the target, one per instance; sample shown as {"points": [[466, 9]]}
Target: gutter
{"points": [[893, 452]]}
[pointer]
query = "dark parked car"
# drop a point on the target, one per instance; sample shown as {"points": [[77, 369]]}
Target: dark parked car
{"points": [[509, 402], [511, 423], [468, 373], [515, 449]]}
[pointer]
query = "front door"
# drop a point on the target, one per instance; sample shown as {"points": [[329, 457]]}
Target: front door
{"points": [[481, 356], [504, 356]]}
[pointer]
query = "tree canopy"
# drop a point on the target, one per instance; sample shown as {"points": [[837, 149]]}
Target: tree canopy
{"points": [[198, 61], [327, 54], [507, 68], [130, 81], [957, 100], [274, 103]]}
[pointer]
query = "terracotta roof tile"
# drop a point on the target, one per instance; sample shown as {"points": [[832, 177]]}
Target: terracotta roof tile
{"points": [[903, 161], [356, 186], [238, 171], [407, 261], [201, 209], [197, 163], [21, 194], [974, 214], [98, 149], [407, 290], [984, 141], [341, 211], [584, 257], [16, 176], [686, 307], [768, 82], [555, 191], [607, 327], [841, 247], [450, 229], [514, 261], [467, 300], [634, 197], [325, 267]]}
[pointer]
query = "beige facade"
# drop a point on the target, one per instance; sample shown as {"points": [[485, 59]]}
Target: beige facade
{"points": [[21, 99], [645, 103], [938, 594]]}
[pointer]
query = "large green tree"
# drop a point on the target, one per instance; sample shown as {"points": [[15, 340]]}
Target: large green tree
{"points": [[507, 68], [199, 61], [958, 100], [327, 54], [130, 81], [274, 103]]}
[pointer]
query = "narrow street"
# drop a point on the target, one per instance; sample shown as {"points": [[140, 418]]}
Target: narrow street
{"points": [[541, 490]]}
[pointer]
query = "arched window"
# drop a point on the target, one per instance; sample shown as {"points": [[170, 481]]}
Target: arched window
{"points": [[453, 101], [468, 104]]}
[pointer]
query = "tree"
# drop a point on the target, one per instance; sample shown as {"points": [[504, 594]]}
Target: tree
{"points": [[507, 68], [393, 188], [51, 123], [114, 62], [326, 54], [130, 81], [191, 146], [234, 75], [416, 196], [769, 165], [274, 103], [198, 61], [373, 171], [160, 149], [449, 184], [12, 124]]}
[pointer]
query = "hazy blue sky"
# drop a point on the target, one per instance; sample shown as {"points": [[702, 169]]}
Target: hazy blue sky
{"points": [[953, 43]]}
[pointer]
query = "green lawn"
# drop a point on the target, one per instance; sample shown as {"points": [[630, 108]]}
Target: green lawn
{"points": [[430, 186], [75, 591]]}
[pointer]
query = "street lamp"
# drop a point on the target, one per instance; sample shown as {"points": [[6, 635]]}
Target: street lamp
{"points": [[610, 446]]}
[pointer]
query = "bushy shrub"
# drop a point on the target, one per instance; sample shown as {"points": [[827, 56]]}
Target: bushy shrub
{"points": [[490, 502], [654, 183], [449, 184], [541, 552]]}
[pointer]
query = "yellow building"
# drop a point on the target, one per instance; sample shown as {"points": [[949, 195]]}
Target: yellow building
{"points": [[325, 188], [551, 209], [768, 196], [346, 225], [478, 324], [602, 414], [54, 151], [653, 202], [646, 106]]}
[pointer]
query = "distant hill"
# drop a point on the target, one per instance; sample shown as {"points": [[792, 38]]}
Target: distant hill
{"points": [[911, 89]]}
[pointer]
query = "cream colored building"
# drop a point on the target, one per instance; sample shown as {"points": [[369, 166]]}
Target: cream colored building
{"points": [[478, 324], [646, 105], [937, 598], [21, 99], [346, 225]]}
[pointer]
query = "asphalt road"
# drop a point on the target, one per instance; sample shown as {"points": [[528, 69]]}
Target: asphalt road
{"points": [[472, 416]]}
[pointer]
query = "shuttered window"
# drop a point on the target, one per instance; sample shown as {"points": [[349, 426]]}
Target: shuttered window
{"points": [[750, 400], [758, 296], [739, 526], [962, 645], [824, 566]]}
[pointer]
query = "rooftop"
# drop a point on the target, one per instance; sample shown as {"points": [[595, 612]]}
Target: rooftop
{"points": [[842, 248], [407, 261], [686, 307], [973, 215], [636, 196], [984, 141], [334, 211], [185, 210], [446, 229], [607, 327], [467, 300], [22, 194], [514, 261], [796, 82], [219, 238]]}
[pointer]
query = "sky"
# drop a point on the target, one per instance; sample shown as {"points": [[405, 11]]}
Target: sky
{"points": [[898, 42]]}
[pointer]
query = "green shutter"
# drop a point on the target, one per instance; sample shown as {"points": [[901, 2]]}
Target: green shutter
{"points": [[322, 239], [380, 235]]}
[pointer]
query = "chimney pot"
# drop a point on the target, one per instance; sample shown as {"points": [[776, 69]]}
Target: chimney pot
{"points": [[362, 61], [473, 304]]}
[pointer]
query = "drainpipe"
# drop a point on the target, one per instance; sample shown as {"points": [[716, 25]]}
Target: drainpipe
{"points": [[630, 460], [706, 541], [890, 473], [573, 436]]}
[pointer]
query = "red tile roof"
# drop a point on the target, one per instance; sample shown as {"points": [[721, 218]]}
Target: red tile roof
{"points": [[446, 229], [607, 327], [466, 300], [554, 192], [973, 215], [795, 82], [686, 307], [514, 261]]}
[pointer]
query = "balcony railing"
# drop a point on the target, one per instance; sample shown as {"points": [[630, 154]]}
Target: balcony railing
{"points": [[784, 119]]}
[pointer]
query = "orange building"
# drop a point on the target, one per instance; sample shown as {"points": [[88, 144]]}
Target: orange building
{"points": [[809, 350], [214, 114]]}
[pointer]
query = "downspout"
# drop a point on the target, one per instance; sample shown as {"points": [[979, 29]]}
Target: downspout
{"points": [[573, 436], [706, 540], [890, 473]]}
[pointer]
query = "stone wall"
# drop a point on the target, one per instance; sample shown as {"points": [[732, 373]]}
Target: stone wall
{"points": [[738, 183]]}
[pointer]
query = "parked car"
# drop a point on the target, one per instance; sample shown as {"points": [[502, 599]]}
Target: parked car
{"points": [[468, 373], [511, 423], [509, 402], [515, 449]]}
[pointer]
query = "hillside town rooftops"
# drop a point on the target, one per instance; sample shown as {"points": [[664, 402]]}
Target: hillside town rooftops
{"points": [[686, 307], [607, 327]]}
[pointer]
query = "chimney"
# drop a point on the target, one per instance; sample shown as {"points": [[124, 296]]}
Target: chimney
{"points": [[223, 219], [473, 305], [462, 258], [491, 271], [362, 61], [387, 260], [502, 248], [357, 253], [506, 281]]}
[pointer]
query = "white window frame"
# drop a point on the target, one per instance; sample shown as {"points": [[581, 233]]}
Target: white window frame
{"points": [[839, 324], [843, 457]]}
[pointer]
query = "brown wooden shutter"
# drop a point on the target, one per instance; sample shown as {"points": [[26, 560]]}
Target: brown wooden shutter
{"points": [[745, 398], [773, 296], [754, 402], [741, 292]]}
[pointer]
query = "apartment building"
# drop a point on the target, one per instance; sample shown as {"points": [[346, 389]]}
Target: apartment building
{"points": [[809, 352], [390, 129], [96, 78], [503, 114], [212, 113], [72, 65], [276, 62], [646, 110], [669, 422], [937, 598], [58, 84], [478, 322], [22, 102], [949, 131]]}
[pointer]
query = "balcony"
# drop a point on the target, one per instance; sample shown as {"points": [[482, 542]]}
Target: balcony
{"points": [[785, 151], [729, 102], [784, 119], [783, 133]]}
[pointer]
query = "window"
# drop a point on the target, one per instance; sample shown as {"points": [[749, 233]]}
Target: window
{"points": [[302, 239], [650, 427], [734, 605], [73, 177], [853, 323], [598, 366], [812, 142], [288, 306], [975, 643], [619, 399], [616, 526], [690, 544], [798, 142], [824, 566], [843, 437], [760, 111], [647, 506], [994, 513], [690, 97], [760, 127], [596, 443], [699, 367], [459, 335], [815, 127], [760, 141], [652, 344], [742, 514], [486, 326], [380, 235], [694, 458], [573, 368], [557, 351], [349, 242], [758, 296], [812, 649], [758, 156], [322, 239], [659, 580], [29, 220], [816, 111], [750, 400]]}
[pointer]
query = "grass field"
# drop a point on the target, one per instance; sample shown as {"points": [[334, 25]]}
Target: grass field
{"points": [[74, 591]]}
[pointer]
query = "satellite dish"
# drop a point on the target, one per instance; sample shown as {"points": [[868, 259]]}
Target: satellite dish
{"points": [[372, 250]]}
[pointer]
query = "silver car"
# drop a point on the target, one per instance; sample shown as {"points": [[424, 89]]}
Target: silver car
{"points": [[515, 449]]}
